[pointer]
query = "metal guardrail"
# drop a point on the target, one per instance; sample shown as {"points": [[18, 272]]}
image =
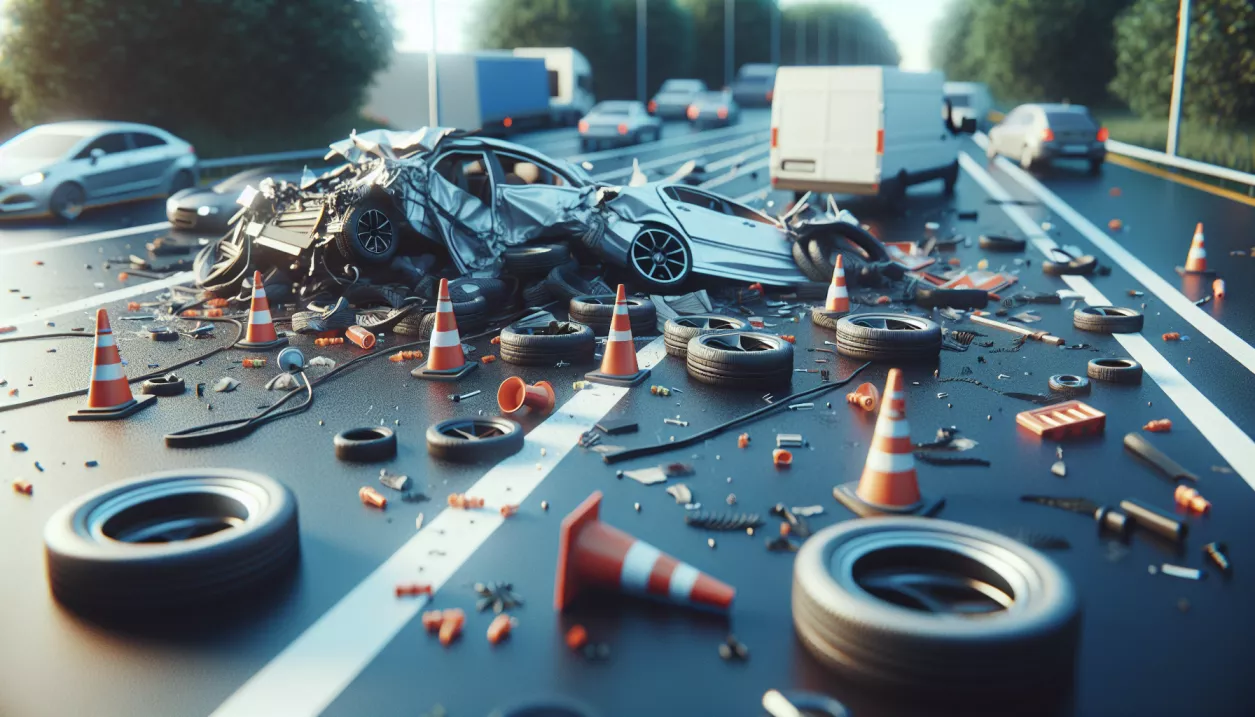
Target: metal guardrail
{"points": [[254, 159], [1189, 165]]}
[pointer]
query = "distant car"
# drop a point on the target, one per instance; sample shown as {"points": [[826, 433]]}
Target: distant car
{"points": [[754, 85], [65, 167], [970, 99], [674, 97], [209, 209], [714, 109], [616, 123], [1038, 134]]}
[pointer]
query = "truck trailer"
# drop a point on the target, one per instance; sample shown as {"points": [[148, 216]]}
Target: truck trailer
{"points": [[570, 82]]}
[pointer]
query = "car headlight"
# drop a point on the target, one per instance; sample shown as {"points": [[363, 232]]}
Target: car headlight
{"points": [[206, 211], [32, 179]]}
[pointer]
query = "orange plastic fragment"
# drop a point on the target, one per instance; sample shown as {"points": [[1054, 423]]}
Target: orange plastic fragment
{"points": [[789, 337], [1172, 336], [882, 300], [254, 363], [866, 397], [465, 502], [451, 626], [954, 261], [743, 440], [1115, 225], [216, 303], [412, 589], [328, 341], [432, 620], [781, 458], [133, 306], [1114, 191], [487, 359], [496, 341], [500, 628], [1217, 288], [509, 511], [1188, 497], [123, 276], [24, 487], [576, 637], [372, 497], [1159, 425], [785, 529], [758, 287], [213, 313]]}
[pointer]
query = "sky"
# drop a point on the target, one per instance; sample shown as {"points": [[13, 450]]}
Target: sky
{"points": [[909, 22]]}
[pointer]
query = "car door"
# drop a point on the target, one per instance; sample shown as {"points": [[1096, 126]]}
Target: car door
{"points": [[106, 173], [535, 200], [151, 158], [460, 207], [712, 219]]}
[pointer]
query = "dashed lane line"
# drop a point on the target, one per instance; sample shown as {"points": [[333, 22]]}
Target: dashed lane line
{"points": [[97, 300], [86, 238]]}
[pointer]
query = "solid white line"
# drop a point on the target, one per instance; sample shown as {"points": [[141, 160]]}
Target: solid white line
{"points": [[1223, 434], [1199, 319], [738, 172], [86, 238], [98, 300], [312, 671], [675, 142], [676, 160], [756, 194]]}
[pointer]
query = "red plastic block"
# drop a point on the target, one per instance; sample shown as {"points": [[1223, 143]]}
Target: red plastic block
{"points": [[1069, 419]]}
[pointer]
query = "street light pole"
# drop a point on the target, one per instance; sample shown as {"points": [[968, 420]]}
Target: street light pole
{"points": [[775, 33], [1178, 77], [641, 84], [433, 91], [729, 40], [823, 40], [800, 40]]}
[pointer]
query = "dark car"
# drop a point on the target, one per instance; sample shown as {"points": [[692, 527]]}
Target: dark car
{"points": [[209, 209], [674, 97], [754, 85], [714, 109], [1037, 134]]}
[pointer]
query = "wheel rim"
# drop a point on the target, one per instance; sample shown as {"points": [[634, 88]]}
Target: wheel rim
{"points": [[69, 204], [740, 343], [708, 323], [887, 323], [1068, 381], [660, 256], [374, 231], [473, 429], [175, 511], [1107, 311], [608, 300]]}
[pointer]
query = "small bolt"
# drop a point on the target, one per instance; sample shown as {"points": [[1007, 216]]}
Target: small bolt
{"points": [[711, 543], [989, 418], [1216, 552], [544, 505], [637, 506]]}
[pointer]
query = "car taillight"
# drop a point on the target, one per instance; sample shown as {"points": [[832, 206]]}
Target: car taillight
{"points": [[653, 106], [1047, 135], [880, 141], [192, 150], [775, 137], [583, 126], [623, 129], [723, 113], [507, 122], [770, 94], [1102, 134], [693, 112]]}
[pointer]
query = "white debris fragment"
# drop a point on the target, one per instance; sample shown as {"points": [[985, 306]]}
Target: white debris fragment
{"points": [[322, 361], [226, 384], [807, 511], [681, 493], [282, 382], [1059, 468], [647, 476], [393, 480]]}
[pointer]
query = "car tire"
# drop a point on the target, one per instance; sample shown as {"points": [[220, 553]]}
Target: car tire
{"points": [[226, 533], [1115, 370], [596, 312], [565, 283], [1081, 266], [801, 257], [471, 317], [474, 439], [824, 319], [1001, 242], [879, 601], [571, 342], [462, 291], [677, 332], [740, 359], [825, 244], [537, 295], [878, 336], [535, 259], [950, 179], [365, 445], [1069, 385], [370, 232], [68, 201], [931, 297], [654, 242], [1108, 320]]}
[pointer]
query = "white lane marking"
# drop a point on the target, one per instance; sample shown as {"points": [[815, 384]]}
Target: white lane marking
{"points": [[312, 671], [754, 195], [1222, 433], [676, 160], [737, 172], [98, 300], [676, 141], [86, 238], [1230, 342]]}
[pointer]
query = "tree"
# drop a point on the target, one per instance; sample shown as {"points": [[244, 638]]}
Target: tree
{"points": [[949, 50], [200, 68], [835, 34], [1220, 74]]}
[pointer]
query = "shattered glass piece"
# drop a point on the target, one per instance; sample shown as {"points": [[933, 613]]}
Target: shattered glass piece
{"points": [[226, 384], [647, 476], [681, 493]]}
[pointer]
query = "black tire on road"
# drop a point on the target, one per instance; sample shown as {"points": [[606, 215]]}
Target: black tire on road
{"points": [[934, 606], [68, 201], [677, 332], [561, 341], [877, 336], [471, 317], [823, 319], [856, 244], [740, 359], [474, 439], [595, 312], [1081, 265], [1115, 370], [1069, 385], [466, 289], [1108, 320], [171, 540], [535, 259], [365, 445], [370, 233], [801, 257], [565, 283]]}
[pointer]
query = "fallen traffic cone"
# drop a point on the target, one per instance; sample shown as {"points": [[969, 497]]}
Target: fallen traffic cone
{"points": [[261, 328], [445, 360], [889, 484], [514, 394], [866, 397], [109, 396], [838, 296], [592, 554], [1196, 260], [618, 364]]}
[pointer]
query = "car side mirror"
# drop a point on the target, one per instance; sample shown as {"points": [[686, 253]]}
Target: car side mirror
{"points": [[96, 154], [968, 126]]}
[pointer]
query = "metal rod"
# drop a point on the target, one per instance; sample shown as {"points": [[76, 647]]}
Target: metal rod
{"points": [[642, 84], [729, 41], [1021, 330], [433, 92], [1178, 77], [775, 33]]}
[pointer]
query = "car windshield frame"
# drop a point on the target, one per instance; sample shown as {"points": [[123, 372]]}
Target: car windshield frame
{"points": [[617, 108], [71, 141]]}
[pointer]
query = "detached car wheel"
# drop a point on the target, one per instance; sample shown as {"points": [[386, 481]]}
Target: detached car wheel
{"points": [[1115, 370], [596, 312], [935, 606], [677, 332], [659, 259], [888, 337], [740, 359], [370, 232], [1108, 320], [475, 439], [535, 259], [173, 539], [546, 346]]}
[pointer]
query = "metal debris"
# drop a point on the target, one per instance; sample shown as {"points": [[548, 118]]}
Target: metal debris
{"points": [[414, 497], [806, 511], [681, 493], [733, 649], [727, 521], [647, 476], [797, 526], [675, 422], [226, 384], [499, 596], [459, 397], [781, 544], [789, 440], [1178, 571], [393, 480], [801, 406], [936, 460], [1059, 468]]}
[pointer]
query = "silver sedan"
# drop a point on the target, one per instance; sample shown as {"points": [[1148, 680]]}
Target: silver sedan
{"points": [[65, 167]]}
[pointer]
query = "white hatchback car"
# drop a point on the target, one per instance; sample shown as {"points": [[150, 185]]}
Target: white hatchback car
{"points": [[65, 167]]}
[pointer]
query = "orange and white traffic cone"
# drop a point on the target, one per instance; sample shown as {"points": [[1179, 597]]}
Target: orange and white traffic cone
{"points": [[592, 554], [514, 394], [445, 360], [838, 295], [889, 485], [1196, 260], [109, 396], [618, 363], [261, 328]]}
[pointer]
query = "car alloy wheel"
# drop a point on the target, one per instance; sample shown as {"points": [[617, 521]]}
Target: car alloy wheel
{"points": [[374, 231], [474, 439], [660, 257], [68, 202]]}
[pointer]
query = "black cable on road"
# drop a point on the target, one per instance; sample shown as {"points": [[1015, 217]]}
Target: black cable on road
{"points": [[630, 453]]}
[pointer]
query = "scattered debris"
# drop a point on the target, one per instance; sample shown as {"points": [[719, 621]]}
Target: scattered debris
{"points": [[500, 628], [322, 361], [647, 476], [1217, 553], [282, 382], [743, 440], [226, 384], [1178, 571], [789, 440], [781, 458], [1172, 336], [1161, 425], [681, 493], [464, 502], [372, 498], [733, 649], [1059, 468], [675, 422], [806, 511], [660, 390], [459, 397], [23, 487], [413, 589], [499, 596], [798, 526], [393, 480], [723, 522], [1190, 499], [18, 446]]}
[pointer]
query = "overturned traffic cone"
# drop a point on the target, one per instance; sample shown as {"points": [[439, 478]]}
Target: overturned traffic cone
{"points": [[1196, 260], [261, 328], [838, 296], [592, 554], [888, 485], [514, 394], [618, 364], [109, 396], [445, 360]]}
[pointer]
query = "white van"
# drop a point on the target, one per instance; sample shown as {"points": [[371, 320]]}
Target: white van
{"points": [[570, 82], [861, 130]]}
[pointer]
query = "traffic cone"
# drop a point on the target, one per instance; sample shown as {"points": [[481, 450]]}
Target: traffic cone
{"points": [[261, 328], [1196, 260], [618, 364], [109, 396], [445, 360], [592, 554], [838, 296], [514, 394], [889, 485]]}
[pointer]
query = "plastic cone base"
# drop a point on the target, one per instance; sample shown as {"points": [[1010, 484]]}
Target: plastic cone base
{"points": [[444, 374], [625, 381], [847, 494], [135, 405], [1186, 272], [262, 345]]}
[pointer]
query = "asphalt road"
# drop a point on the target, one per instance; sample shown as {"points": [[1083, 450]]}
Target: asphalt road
{"points": [[1151, 644]]}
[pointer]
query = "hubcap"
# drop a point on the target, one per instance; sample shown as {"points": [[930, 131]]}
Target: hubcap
{"points": [[374, 231], [740, 343], [472, 430], [660, 256], [886, 323], [175, 511]]}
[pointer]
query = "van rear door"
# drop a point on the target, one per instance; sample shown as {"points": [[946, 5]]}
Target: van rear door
{"points": [[826, 126]]}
